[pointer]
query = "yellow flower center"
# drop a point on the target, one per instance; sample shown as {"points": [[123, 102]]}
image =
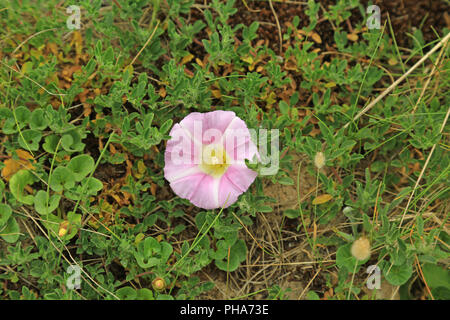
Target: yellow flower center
{"points": [[215, 160]]}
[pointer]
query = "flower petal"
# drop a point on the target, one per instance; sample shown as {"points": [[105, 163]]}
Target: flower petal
{"points": [[202, 126], [234, 182], [238, 143], [201, 189]]}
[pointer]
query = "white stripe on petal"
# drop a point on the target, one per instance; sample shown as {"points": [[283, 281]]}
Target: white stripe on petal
{"points": [[196, 142], [228, 127], [188, 172], [215, 191]]}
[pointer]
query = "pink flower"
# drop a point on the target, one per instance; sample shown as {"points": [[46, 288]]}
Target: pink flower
{"points": [[205, 159]]}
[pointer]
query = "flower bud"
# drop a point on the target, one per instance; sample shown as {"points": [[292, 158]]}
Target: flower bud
{"points": [[361, 249], [158, 284], [63, 228]]}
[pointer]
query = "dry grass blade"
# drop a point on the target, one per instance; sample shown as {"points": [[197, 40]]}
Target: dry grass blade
{"points": [[399, 80]]}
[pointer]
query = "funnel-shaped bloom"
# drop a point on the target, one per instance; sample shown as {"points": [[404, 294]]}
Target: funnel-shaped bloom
{"points": [[205, 158]]}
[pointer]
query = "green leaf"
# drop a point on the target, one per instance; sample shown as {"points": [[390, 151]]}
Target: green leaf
{"points": [[312, 295], [166, 126], [238, 253], [93, 186], [71, 141], [441, 293], [62, 178], [29, 139], [81, 166], [152, 253], [397, 275], [5, 213], [18, 183], [38, 120], [292, 213], [127, 293], [11, 232], [74, 224], [50, 143], [145, 294], [436, 276], [45, 205], [51, 223], [345, 259], [286, 181], [23, 115]]}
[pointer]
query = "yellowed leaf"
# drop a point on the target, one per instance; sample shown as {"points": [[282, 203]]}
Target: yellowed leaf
{"points": [[216, 93], [392, 61], [12, 165], [322, 199], [141, 167], [352, 37], [187, 58], [27, 66], [162, 92], [316, 38], [248, 59]]}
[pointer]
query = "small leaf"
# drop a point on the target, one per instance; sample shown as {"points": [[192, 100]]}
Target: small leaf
{"points": [[38, 121], [344, 259], [286, 181], [312, 295], [166, 126], [50, 144], [12, 165], [29, 139], [11, 233], [62, 178], [93, 186], [238, 253], [5, 213], [322, 199], [23, 115], [127, 293], [292, 213], [397, 275], [44, 205], [81, 166], [17, 185], [435, 276]]}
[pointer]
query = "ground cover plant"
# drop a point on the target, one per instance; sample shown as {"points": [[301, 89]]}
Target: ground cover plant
{"points": [[350, 198]]}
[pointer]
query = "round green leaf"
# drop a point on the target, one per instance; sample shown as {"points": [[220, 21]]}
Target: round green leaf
{"points": [[5, 213], [51, 143], [397, 274], [93, 186], [436, 276], [45, 205], [17, 185], [62, 178], [29, 139], [81, 166], [71, 141], [238, 253], [11, 232], [23, 115], [126, 293], [38, 120], [345, 259]]}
